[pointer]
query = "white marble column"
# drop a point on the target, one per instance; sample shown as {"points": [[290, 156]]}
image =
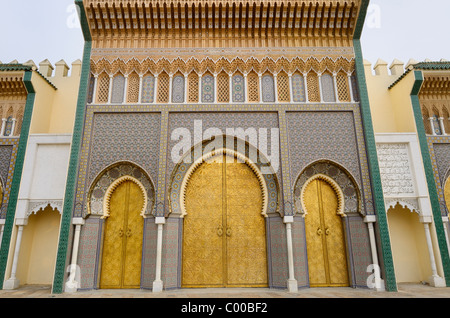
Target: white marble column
{"points": [[441, 123], [350, 88], [158, 284], [73, 284], [432, 126], [110, 88], [292, 282], [379, 283], [435, 280], [13, 282], [2, 133]]}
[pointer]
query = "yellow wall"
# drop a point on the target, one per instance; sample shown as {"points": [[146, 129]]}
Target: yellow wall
{"points": [[391, 109], [54, 110], [409, 247], [38, 249]]}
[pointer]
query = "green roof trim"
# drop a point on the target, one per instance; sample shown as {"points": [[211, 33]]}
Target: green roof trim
{"points": [[424, 66], [22, 67]]}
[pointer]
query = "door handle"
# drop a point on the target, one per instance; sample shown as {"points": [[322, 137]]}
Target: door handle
{"points": [[319, 231], [220, 230], [129, 232], [120, 233], [228, 231], [327, 231]]}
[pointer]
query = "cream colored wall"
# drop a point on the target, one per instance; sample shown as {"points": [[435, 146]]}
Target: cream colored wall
{"points": [[39, 248], [409, 247], [391, 109], [54, 110]]}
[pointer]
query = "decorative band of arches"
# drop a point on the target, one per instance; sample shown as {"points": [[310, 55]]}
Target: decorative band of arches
{"points": [[275, 66]]}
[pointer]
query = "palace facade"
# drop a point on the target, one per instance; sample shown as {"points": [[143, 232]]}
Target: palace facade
{"points": [[224, 143]]}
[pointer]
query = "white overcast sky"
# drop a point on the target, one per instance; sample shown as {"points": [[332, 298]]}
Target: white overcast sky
{"points": [[402, 29]]}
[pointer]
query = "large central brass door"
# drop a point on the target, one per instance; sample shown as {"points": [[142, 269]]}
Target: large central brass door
{"points": [[327, 259], [122, 243], [224, 241]]}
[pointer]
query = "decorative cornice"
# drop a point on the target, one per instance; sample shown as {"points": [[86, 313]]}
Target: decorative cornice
{"points": [[210, 23]]}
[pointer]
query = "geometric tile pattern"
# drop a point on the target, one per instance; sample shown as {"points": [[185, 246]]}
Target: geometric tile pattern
{"points": [[238, 89], [118, 90], [298, 88], [88, 251], [439, 147], [178, 89], [148, 89], [328, 93], [277, 252], [8, 154], [359, 243], [208, 89], [268, 89]]}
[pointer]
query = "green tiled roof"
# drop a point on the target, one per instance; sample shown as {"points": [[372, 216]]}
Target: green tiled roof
{"points": [[21, 67], [424, 66]]}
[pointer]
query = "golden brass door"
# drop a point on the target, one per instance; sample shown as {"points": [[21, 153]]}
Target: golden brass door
{"points": [[327, 260], [224, 241], [122, 243]]}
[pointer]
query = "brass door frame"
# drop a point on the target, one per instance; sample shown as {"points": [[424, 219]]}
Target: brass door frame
{"points": [[224, 231]]}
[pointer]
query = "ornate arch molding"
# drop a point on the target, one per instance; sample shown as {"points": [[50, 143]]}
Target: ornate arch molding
{"points": [[343, 183], [114, 186], [410, 204], [34, 207], [109, 179], [184, 171]]}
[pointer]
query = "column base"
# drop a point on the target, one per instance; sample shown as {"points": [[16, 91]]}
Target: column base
{"points": [[157, 286], [71, 287], [292, 285], [436, 281], [12, 283]]}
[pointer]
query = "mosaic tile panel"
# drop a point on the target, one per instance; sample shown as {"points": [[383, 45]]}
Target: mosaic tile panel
{"points": [[360, 249], [171, 265], [118, 90], [208, 89], [328, 92], [277, 252], [8, 154], [268, 89], [238, 89], [148, 89], [299, 249], [178, 89], [298, 88], [149, 253], [117, 137], [91, 89], [88, 250]]}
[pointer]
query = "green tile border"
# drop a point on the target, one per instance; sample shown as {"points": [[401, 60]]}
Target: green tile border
{"points": [[431, 182], [389, 274], [63, 244], [18, 168]]}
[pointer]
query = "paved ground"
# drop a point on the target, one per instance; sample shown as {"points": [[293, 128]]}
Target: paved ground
{"points": [[404, 291]]}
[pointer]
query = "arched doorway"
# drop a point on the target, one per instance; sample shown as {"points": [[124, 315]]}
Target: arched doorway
{"points": [[39, 247], [327, 257], [224, 238], [123, 235], [409, 246]]}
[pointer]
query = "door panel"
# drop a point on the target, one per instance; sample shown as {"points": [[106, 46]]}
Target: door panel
{"points": [[327, 259], [202, 240], [134, 232], [224, 242], [122, 243]]}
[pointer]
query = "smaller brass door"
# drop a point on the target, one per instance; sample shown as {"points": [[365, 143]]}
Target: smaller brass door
{"points": [[327, 259], [122, 243]]}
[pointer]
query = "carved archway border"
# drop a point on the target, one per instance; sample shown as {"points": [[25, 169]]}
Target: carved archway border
{"points": [[337, 189], [230, 153], [113, 186], [410, 204]]}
